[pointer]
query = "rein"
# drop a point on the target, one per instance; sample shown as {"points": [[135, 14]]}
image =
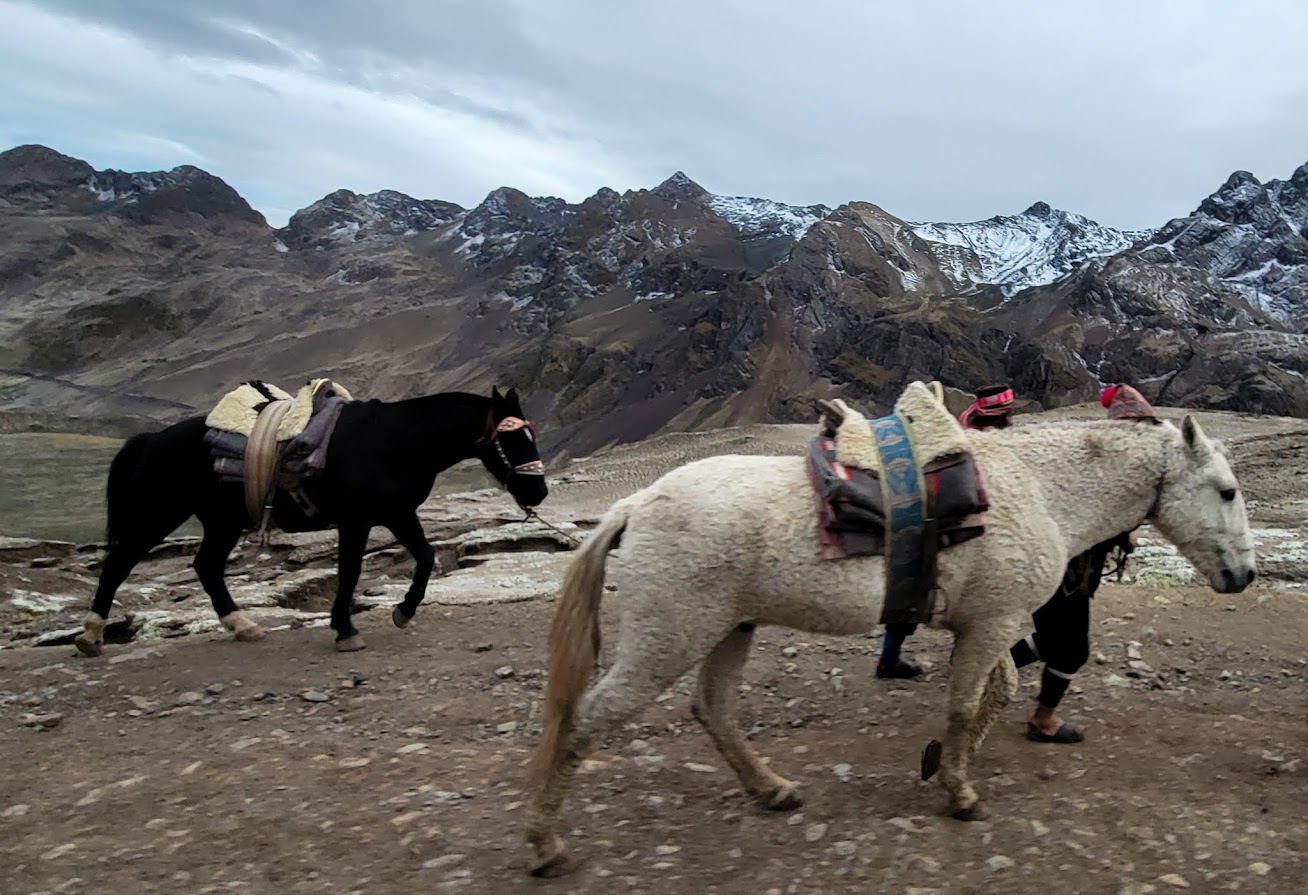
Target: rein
{"points": [[532, 514]]}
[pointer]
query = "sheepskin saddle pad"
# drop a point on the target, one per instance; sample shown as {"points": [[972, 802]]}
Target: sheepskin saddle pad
{"points": [[903, 486], [263, 437]]}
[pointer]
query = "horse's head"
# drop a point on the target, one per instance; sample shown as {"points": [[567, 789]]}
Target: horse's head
{"points": [[1200, 509], [509, 451]]}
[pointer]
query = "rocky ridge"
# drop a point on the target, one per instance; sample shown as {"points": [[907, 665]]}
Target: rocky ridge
{"points": [[130, 299], [1250, 236], [1019, 251]]}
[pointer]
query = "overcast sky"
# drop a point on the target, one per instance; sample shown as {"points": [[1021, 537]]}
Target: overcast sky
{"points": [[951, 110]]}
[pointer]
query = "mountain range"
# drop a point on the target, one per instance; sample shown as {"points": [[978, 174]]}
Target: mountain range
{"points": [[127, 300]]}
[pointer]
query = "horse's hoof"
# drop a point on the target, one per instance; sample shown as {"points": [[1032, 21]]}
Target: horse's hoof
{"points": [[88, 647], [401, 620], [252, 634], [787, 798], [973, 812], [350, 644]]}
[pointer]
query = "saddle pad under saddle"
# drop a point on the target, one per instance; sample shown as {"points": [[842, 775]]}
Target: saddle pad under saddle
{"points": [[905, 510], [263, 438]]}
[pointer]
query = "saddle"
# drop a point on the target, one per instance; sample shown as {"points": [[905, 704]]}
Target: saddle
{"points": [[268, 440], [904, 487]]}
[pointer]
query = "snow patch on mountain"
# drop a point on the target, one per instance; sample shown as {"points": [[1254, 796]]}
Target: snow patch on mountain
{"points": [[1018, 251], [120, 186], [1252, 236], [759, 217], [348, 216]]}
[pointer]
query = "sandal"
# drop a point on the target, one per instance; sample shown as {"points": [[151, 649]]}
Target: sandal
{"points": [[1066, 733]]}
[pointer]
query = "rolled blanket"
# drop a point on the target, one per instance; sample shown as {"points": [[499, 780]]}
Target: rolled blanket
{"points": [[230, 468], [229, 443]]}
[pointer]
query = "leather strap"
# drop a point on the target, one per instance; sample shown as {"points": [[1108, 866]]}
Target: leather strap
{"points": [[262, 454]]}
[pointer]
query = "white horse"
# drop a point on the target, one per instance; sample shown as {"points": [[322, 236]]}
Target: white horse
{"points": [[723, 544]]}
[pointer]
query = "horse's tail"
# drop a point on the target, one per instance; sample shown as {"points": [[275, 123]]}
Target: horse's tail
{"points": [[118, 497], [575, 640]]}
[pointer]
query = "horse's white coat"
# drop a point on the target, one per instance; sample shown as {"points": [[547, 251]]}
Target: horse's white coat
{"points": [[733, 539]]}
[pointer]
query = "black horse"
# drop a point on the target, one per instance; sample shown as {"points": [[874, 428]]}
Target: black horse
{"points": [[382, 462]]}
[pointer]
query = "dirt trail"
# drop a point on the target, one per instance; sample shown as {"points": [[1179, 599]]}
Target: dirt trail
{"points": [[200, 765], [194, 764]]}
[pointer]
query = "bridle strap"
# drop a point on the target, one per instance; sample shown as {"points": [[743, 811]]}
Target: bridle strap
{"points": [[511, 424]]}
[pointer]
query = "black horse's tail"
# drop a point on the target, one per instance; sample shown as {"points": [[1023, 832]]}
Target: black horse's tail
{"points": [[118, 492]]}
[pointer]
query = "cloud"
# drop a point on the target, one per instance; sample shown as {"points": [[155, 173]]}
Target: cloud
{"points": [[1129, 113], [282, 134]]}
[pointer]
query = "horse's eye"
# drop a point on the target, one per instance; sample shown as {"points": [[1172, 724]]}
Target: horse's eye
{"points": [[1228, 495]]}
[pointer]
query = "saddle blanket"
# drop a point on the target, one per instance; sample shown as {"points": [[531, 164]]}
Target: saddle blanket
{"points": [[239, 409], [877, 493], [299, 445], [851, 509]]}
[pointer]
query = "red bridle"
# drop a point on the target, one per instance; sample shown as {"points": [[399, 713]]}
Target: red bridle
{"points": [[512, 424]]}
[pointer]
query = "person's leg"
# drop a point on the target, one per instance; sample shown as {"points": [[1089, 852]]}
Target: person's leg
{"points": [[1062, 641], [892, 664]]}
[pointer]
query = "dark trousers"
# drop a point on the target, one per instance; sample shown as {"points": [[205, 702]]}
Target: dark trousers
{"points": [[1062, 626], [1061, 640], [893, 640]]}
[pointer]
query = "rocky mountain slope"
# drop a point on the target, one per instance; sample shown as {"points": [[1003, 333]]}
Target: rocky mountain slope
{"points": [[1014, 252], [128, 299], [1251, 236]]}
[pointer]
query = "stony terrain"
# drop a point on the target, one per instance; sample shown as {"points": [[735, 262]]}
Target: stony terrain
{"points": [[182, 761], [131, 299]]}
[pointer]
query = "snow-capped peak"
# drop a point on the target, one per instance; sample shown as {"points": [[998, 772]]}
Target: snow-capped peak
{"points": [[1251, 235], [765, 217], [1019, 251]]}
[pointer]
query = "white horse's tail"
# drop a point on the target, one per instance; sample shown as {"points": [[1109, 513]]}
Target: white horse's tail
{"points": [[575, 639]]}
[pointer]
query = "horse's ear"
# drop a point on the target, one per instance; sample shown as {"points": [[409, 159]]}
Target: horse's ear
{"points": [[496, 397], [1191, 432], [513, 402]]}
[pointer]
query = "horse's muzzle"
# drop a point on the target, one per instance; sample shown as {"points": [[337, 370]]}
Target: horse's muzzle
{"points": [[528, 490], [1234, 581]]}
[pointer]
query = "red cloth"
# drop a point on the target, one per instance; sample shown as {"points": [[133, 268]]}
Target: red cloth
{"points": [[974, 418], [994, 405], [1125, 403]]}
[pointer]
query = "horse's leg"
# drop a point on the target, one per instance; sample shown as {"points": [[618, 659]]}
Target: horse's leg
{"points": [[1001, 687], [642, 669], [976, 652], [408, 531], [210, 566], [352, 541], [118, 564], [719, 680]]}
